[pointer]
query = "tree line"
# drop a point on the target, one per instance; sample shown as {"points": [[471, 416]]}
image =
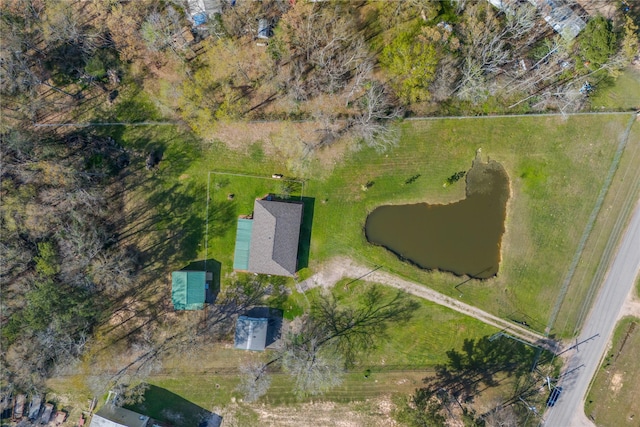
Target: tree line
{"points": [[60, 263], [351, 67]]}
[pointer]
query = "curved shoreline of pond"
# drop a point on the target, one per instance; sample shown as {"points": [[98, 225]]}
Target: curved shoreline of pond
{"points": [[463, 237]]}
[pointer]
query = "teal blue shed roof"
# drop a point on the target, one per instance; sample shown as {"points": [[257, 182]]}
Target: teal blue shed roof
{"points": [[188, 289], [243, 243]]}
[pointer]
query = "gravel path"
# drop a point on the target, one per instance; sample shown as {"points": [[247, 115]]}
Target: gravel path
{"points": [[339, 268]]}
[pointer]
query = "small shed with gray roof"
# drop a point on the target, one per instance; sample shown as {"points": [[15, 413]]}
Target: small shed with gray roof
{"points": [[251, 333], [268, 242], [113, 416]]}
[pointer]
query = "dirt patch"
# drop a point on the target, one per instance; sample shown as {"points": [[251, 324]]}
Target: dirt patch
{"points": [[616, 382], [369, 413], [595, 8], [631, 307]]}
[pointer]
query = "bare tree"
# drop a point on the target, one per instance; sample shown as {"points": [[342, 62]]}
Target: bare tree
{"points": [[244, 293], [254, 381], [472, 86], [113, 271], [314, 368], [353, 329], [376, 110], [322, 47], [129, 394], [502, 417], [486, 41], [163, 30], [62, 27], [361, 75], [316, 352]]}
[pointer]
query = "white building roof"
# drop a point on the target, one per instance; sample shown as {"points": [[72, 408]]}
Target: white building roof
{"points": [[114, 416]]}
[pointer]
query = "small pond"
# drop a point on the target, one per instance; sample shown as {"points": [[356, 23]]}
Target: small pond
{"points": [[462, 237]]}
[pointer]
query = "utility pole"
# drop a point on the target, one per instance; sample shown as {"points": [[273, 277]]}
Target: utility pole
{"points": [[578, 343]]}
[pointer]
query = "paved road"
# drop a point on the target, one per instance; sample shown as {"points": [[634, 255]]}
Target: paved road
{"points": [[338, 268], [619, 282]]}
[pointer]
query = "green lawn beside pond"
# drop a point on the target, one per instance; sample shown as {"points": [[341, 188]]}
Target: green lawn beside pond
{"points": [[556, 167]]}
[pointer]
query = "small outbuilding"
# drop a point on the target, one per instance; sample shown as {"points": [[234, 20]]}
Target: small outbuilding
{"points": [[201, 11], [251, 333], [560, 16], [264, 29], [189, 289], [113, 416]]}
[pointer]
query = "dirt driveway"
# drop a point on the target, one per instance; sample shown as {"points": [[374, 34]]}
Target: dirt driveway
{"points": [[339, 268]]}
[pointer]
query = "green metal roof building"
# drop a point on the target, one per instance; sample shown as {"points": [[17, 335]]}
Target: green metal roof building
{"points": [[188, 289], [243, 243]]}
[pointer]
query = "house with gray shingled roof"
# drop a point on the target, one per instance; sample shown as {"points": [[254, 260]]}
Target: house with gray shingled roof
{"points": [[267, 243]]}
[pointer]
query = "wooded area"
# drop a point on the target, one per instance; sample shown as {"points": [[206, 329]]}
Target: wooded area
{"points": [[351, 68]]}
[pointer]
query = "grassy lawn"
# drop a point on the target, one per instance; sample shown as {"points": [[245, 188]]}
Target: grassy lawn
{"points": [[612, 400], [207, 378], [232, 195], [188, 396], [556, 168], [613, 217], [411, 345], [621, 94], [407, 348]]}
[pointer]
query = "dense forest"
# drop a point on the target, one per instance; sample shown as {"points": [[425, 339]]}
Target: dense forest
{"points": [[349, 67]]}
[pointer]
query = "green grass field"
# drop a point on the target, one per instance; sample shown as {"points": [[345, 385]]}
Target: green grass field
{"points": [[188, 396], [619, 95], [411, 345], [556, 166], [612, 400], [614, 215], [556, 169]]}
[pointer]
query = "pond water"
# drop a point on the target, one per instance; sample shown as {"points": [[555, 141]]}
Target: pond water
{"points": [[462, 237]]}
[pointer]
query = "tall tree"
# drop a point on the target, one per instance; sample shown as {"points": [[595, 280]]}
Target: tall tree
{"points": [[329, 339], [597, 42], [411, 63]]}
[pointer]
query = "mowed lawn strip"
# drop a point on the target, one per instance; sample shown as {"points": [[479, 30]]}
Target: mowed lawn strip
{"points": [[613, 398], [612, 220], [211, 389]]}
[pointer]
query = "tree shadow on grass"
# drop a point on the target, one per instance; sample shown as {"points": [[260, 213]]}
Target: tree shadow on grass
{"points": [[488, 362], [222, 217], [478, 365], [165, 406], [304, 245]]}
